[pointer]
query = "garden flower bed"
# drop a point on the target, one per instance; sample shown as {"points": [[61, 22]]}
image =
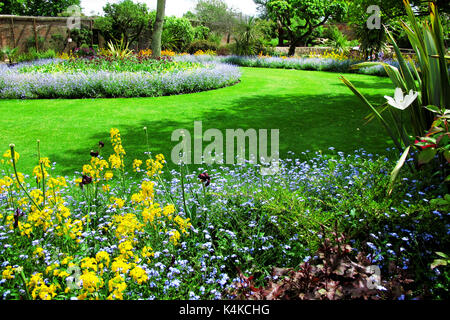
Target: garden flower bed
{"points": [[218, 232], [330, 63], [109, 78]]}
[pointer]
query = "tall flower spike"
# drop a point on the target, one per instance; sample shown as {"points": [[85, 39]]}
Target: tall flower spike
{"points": [[402, 102]]}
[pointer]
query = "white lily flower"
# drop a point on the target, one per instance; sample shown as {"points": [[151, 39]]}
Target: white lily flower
{"points": [[402, 102]]}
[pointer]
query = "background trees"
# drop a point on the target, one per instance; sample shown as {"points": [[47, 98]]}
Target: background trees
{"points": [[217, 16], [299, 18], [50, 8], [125, 19]]}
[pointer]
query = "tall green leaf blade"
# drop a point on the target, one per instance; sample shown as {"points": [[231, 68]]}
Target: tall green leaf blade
{"points": [[397, 168], [374, 110]]}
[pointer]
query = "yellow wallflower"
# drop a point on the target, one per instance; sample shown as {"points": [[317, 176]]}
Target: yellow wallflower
{"points": [[120, 265], [139, 275], [8, 273], [7, 155], [137, 165], [91, 283], [89, 263], [108, 175], [103, 257], [116, 287]]}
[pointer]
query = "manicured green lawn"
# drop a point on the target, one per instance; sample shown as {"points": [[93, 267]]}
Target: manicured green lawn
{"points": [[313, 110]]}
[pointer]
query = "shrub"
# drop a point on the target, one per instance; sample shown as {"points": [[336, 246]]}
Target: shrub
{"points": [[223, 51], [57, 42], [201, 33], [84, 51], [177, 35], [32, 55], [30, 43], [203, 45]]}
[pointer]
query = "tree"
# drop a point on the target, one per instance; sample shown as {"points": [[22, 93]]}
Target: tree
{"points": [[158, 28], [264, 14], [217, 16], [124, 20], [391, 12], [50, 8], [301, 17]]}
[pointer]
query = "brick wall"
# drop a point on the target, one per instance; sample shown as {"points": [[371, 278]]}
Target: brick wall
{"points": [[16, 31]]}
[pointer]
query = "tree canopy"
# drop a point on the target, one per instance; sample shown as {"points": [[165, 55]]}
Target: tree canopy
{"points": [[301, 17], [50, 8], [125, 19], [215, 14]]}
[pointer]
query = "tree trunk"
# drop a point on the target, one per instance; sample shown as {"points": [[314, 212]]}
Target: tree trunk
{"points": [[280, 35], [292, 47], [158, 28]]}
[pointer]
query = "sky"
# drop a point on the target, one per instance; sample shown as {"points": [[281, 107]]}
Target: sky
{"points": [[173, 7]]}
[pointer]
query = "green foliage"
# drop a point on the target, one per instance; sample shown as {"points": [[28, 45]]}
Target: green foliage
{"points": [[203, 45], [81, 36], [216, 15], [201, 33], [119, 50], [431, 82], [177, 34], [49, 8], [337, 40], [436, 142], [251, 38], [371, 40], [10, 53], [57, 42], [118, 63], [32, 55], [31, 43], [124, 19], [301, 17]]}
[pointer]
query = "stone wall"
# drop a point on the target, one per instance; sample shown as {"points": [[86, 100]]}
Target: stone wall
{"points": [[301, 51]]}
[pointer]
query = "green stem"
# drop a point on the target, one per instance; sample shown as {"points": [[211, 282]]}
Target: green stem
{"points": [[17, 176], [24, 281], [43, 180], [182, 190]]}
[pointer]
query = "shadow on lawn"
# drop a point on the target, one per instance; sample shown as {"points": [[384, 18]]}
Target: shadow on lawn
{"points": [[306, 122]]}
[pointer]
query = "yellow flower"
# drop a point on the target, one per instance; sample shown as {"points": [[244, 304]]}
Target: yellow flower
{"points": [[108, 175], [39, 252], [139, 275], [147, 252], [169, 210], [91, 283], [117, 202], [116, 287], [149, 214], [103, 256], [136, 165], [174, 237], [120, 265], [115, 161], [89, 263], [7, 155], [8, 273]]}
